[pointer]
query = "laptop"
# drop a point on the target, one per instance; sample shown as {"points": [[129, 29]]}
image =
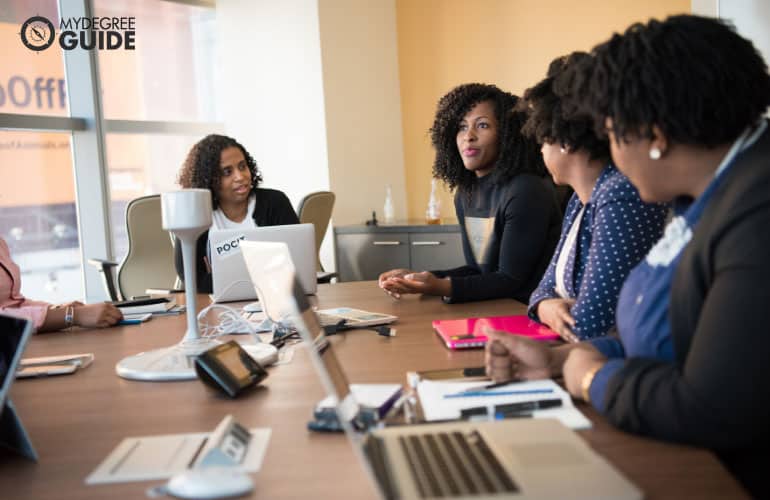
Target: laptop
{"points": [[261, 259], [14, 335], [515, 458], [230, 280]]}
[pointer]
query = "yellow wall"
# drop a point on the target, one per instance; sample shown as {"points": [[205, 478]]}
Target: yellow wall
{"points": [[443, 43]]}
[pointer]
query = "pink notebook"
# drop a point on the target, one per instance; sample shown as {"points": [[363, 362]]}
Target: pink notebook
{"points": [[469, 332]]}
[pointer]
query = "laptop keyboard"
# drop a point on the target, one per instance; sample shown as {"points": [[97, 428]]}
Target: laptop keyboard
{"points": [[452, 464]]}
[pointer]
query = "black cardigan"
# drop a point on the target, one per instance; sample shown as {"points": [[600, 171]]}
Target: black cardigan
{"points": [[716, 394], [272, 208]]}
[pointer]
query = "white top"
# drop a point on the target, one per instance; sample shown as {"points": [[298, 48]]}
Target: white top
{"points": [[220, 221], [561, 264]]}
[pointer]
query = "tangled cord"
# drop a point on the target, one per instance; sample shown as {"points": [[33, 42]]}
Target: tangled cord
{"points": [[229, 321]]}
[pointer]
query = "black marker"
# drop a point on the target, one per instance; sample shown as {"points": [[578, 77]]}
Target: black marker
{"points": [[511, 409]]}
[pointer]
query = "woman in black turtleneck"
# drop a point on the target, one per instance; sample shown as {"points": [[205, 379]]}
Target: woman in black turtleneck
{"points": [[506, 203]]}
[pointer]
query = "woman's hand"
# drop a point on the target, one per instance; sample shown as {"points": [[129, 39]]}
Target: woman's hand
{"points": [[99, 315], [386, 282], [422, 282], [582, 359], [555, 313], [512, 357]]}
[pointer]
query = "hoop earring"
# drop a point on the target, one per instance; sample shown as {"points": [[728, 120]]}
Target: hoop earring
{"points": [[655, 153]]}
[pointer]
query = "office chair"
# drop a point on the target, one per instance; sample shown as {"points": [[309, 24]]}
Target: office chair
{"points": [[149, 262], [316, 208]]}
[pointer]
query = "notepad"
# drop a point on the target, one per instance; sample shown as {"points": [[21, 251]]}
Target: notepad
{"points": [[469, 332], [439, 400]]}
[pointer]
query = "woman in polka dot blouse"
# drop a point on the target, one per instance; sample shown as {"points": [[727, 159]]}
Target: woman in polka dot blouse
{"points": [[606, 230], [683, 104]]}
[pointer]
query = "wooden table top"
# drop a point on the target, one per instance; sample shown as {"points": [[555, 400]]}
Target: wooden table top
{"points": [[75, 421]]}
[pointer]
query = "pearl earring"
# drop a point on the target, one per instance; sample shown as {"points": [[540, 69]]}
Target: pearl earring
{"points": [[562, 150], [655, 153]]}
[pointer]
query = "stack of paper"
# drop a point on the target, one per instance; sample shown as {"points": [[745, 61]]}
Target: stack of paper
{"points": [[443, 400]]}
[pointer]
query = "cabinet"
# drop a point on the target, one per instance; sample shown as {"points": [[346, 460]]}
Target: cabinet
{"points": [[363, 252]]}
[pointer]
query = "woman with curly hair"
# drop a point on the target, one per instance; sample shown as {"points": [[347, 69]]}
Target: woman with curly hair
{"points": [[682, 101], [505, 203], [224, 167], [607, 229]]}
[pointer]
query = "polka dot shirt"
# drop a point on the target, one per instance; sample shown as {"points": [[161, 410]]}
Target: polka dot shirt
{"points": [[616, 232]]}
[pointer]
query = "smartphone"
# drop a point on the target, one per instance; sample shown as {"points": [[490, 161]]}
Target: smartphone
{"points": [[45, 370]]}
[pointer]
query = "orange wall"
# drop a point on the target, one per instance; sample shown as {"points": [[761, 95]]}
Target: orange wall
{"points": [[444, 43]]}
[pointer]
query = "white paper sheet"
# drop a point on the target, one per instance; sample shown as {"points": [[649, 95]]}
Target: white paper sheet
{"points": [[436, 406], [160, 457], [367, 395]]}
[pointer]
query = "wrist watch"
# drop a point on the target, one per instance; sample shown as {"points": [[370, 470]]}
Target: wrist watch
{"points": [[69, 317], [585, 383]]}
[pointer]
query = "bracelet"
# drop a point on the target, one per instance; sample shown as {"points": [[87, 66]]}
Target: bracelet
{"points": [[69, 317], [585, 384]]}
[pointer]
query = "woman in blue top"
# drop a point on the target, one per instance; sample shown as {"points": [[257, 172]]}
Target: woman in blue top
{"points": [[606, 230], [682, 101]]}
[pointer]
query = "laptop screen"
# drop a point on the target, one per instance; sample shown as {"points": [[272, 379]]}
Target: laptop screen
{"points": [[330, 362], [274, 276], [14, 334], [227, 266]]}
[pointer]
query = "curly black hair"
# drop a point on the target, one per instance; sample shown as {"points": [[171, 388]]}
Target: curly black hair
{"points": [[694, 77], [517, 154], [201, 167], [552, 116]]}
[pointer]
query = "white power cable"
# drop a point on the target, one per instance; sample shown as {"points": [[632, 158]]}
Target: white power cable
{"points": [[229, 321]]}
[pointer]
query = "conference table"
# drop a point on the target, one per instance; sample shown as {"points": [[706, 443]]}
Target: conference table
{"points": [[75, 421]]}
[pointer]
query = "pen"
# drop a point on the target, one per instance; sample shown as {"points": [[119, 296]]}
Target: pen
{"points": [[526, 406], [470, 394], [480, 414], [473, 371], [510, 410], [393, 410], [491, 386]]}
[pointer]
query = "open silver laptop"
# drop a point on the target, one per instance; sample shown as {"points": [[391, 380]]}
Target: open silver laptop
{"points": [[14, 335], [258, 256], [516, 458], [230, 280]]}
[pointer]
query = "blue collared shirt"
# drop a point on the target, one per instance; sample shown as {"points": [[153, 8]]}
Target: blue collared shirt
{"points": [[644, 327]]}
